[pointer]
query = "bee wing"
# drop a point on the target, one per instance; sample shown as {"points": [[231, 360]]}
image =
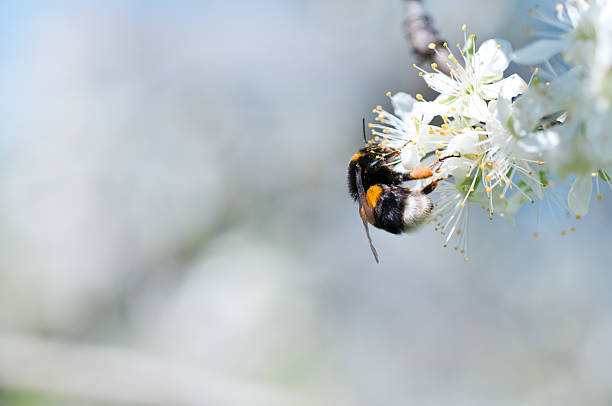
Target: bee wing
{"points": [[365, 211]]}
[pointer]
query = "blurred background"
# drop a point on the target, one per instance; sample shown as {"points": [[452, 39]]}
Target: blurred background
{"points": [[175, 227]]}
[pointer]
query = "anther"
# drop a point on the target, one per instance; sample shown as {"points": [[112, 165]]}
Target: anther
{"points": [[432, 46], [388, 94], [419, 96], [463, 27]]}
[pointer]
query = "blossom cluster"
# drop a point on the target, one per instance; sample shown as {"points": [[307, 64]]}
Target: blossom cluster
{"points": [[509, 138]]}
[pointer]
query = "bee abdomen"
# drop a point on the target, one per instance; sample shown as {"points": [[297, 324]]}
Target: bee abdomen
{"points": [[417, 207]]}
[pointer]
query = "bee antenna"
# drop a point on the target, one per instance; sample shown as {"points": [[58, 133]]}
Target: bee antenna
{"points": [[363, 125]]}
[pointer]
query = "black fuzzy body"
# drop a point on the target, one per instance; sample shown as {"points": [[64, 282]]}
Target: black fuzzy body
{"points": [[375, 169]]}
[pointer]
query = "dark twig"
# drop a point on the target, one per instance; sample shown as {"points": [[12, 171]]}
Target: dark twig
{"points": [[419, 32]]}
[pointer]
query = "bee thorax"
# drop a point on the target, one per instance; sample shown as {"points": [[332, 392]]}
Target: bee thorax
{"points": [[416, 210]]}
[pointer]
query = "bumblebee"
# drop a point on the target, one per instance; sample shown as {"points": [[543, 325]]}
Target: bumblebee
{"points": [[383, 203]]}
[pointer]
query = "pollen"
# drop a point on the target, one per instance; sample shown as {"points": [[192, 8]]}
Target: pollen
{"points": [[379, 108], [473, 36], [434, 65], [577, 217], [559, 7], [540, 162], [388, 94], [445, 44], [498, 46], [572, 229], [419, 96], [594, 174], [432, 46], [371, 125], [463, 27], [599, 197]]}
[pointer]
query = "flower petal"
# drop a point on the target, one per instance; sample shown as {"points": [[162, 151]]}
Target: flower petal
{"points": [[579, 195], [508, 88], [540, 142], [441, 83], [409, 157], [403, 103], [432, 109], [539, 51], [492, 58], [477, 108]]}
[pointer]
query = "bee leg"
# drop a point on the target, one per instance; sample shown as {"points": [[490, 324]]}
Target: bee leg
{"points": [[438, 162], [432, 186], [419, 172]]}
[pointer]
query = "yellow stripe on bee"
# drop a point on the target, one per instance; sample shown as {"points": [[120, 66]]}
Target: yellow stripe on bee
{"points": [[356, 156], [373, 194]]}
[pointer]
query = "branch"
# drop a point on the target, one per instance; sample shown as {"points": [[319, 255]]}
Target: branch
{"points": [[419, 31]]}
